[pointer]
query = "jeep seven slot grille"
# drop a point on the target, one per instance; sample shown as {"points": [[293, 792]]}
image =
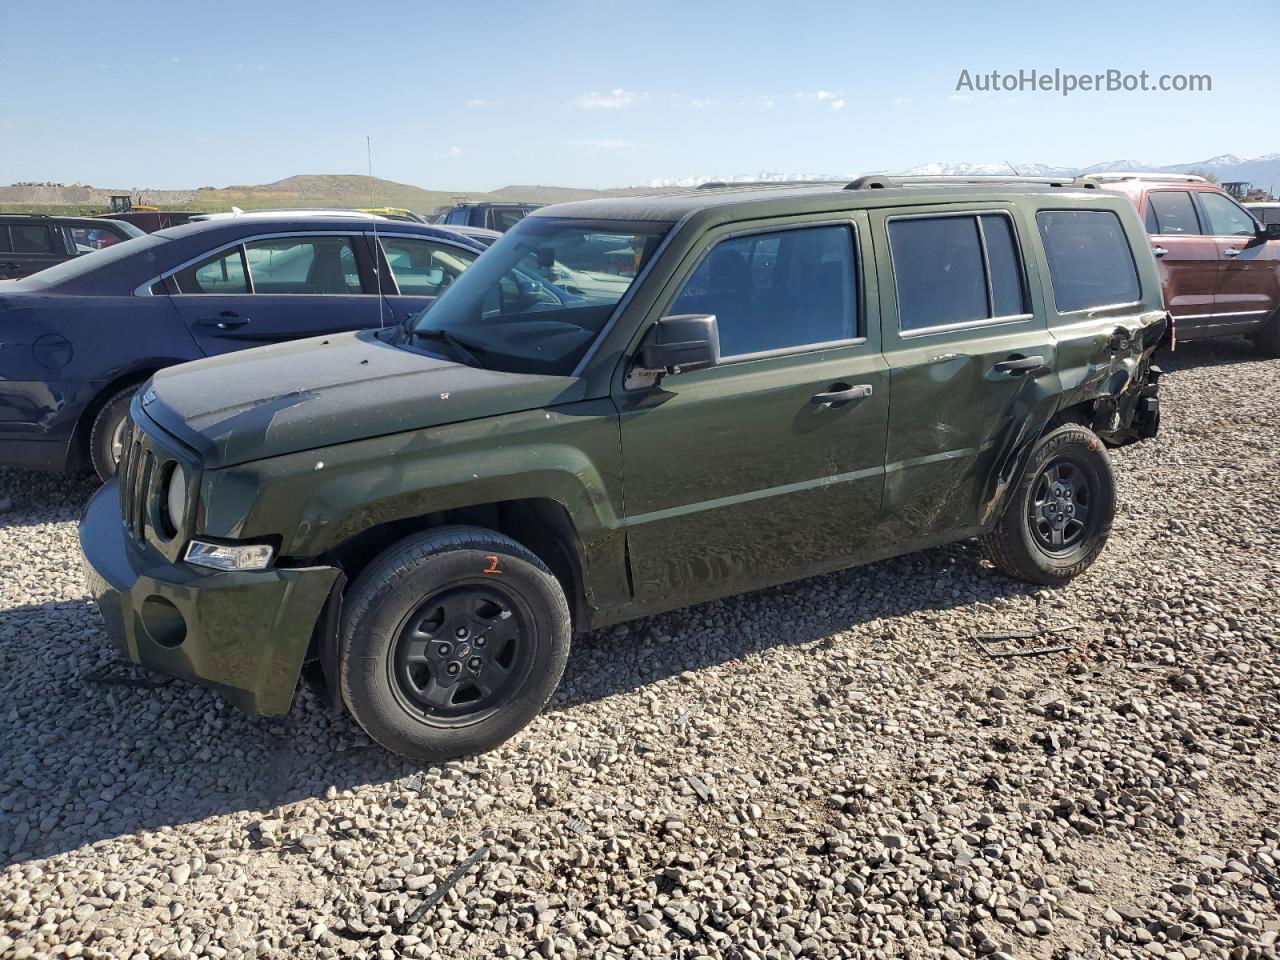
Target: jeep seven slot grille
{"points": [[136, 469]]}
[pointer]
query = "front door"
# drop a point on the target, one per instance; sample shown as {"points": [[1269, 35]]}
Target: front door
{"points": [[27, 248], [769, 466], [1249, 281], [967, 351], [1190, 263], [418, 270], [275, 289]]}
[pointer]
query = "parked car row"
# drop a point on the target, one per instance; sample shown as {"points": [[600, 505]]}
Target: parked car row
{"points": [[622, 407]]}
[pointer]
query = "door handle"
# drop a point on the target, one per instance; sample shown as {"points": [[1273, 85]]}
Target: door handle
{"points": [[1019, 365], [1159, 251], [1231, 252], [842, 395], [227, 321]]}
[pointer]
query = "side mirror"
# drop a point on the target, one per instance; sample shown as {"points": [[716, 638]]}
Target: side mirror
{"points": [[680, 343], [1271, 231], [435, 276]]}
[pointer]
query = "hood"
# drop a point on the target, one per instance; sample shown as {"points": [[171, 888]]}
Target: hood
{"points": [[297, 396]]}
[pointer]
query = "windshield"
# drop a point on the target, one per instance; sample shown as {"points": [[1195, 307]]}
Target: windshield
{"points": [[89, 262], [539, 297]]}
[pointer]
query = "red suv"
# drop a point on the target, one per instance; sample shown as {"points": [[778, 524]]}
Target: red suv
{"points": [[1219, 264]]}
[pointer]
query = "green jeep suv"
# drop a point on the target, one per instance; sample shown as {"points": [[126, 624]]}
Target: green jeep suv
{"points": [[627, 406]]}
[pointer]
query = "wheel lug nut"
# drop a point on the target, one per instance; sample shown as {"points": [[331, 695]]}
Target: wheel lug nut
{"points": [[474, 663], [444, 649], [461, 633], [480, 641], [452, 669]]}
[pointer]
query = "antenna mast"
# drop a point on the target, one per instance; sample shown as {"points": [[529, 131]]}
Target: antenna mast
{"points": [[377, 247]]}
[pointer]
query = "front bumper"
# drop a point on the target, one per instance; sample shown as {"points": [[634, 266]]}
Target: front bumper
{"points": [[245, 634]]}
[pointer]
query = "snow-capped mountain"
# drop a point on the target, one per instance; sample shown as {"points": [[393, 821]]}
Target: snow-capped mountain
{"points": [[1263, 172]]}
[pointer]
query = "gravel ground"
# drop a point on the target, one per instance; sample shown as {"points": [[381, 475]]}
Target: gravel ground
{"points": [[830, 769]]}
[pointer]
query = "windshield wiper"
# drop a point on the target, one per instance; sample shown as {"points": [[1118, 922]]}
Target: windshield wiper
{"points": [[454, 344]]}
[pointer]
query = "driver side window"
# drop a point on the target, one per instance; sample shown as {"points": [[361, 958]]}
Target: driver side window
{"points": [[1226, 219], [778, 290]]}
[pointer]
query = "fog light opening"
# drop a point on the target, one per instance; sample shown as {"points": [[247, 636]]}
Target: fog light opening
{"points": [[162, 622]]}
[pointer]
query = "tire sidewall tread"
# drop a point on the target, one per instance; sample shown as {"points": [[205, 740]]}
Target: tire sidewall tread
{"points": [[1011, 547]]}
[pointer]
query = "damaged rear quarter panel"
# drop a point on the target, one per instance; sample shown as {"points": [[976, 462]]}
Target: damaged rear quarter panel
{"points": [[318, 499]]}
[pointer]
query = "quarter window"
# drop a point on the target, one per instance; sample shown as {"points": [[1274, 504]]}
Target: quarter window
{"points": [[1226, 219], [5, 246], [1090, 262], [303, 265], [951, 270], [221, 273], [1172, 212], [422, 268], [778, 290]]}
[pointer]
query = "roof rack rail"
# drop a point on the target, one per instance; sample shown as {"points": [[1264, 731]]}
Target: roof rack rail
{"points": [[881, 182], [757, 184], [1118, 175]]}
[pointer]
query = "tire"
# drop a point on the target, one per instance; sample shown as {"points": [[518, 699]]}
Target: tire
{"points": [[1267, 340], [105, 434], [1068, 474], [396, 684]]}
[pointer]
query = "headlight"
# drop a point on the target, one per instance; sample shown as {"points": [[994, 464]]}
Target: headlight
{"points": [[221, 556], [175, 499]]}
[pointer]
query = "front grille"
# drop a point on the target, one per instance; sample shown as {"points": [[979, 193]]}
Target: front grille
{"points": [[147, 454]]}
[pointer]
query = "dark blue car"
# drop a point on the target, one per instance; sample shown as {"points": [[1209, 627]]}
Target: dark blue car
{"points": [[77, 339]]}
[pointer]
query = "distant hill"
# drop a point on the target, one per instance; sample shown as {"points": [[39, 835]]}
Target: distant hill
{"points": [[308, 190]]}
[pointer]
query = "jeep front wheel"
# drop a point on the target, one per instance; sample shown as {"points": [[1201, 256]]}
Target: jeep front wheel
{"points": [[452, 641], [1058, 519]]}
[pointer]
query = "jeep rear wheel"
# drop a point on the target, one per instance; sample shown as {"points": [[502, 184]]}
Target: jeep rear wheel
{"points": [[452, 641], [1059, 516]]}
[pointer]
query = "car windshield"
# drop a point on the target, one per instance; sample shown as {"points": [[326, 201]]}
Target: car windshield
{"points": [[539, 297], [89, 262]]}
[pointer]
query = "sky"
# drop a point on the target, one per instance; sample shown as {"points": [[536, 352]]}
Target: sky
{"points": [[598, 93]]}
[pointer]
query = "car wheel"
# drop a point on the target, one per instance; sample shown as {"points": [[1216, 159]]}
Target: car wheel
{"points": [[106, 439], [452, 641], [1267, 340], [1059, 516]]}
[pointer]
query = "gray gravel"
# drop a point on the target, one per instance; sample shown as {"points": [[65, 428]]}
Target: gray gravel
{"points": [[830, 769]]}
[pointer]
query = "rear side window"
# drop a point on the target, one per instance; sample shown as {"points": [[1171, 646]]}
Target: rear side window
{"points": [[951, 270], [5, 247], [1090, 262], [221, 273], [778, 290], [505, 219], [31, 238], [1170, 212], [305, 265]]}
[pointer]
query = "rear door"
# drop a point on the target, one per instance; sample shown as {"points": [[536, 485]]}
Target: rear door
{"points": [[1189, 260], [967, 352], [270, 289], [418, 270], [28, 247], [740, 475], [1249, 280]]}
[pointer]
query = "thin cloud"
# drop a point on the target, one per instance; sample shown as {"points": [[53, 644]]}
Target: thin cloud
{"points": [[703, 104], [615, 99], [832, 97], [455, 151], [602, 144], [479, 103]]}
